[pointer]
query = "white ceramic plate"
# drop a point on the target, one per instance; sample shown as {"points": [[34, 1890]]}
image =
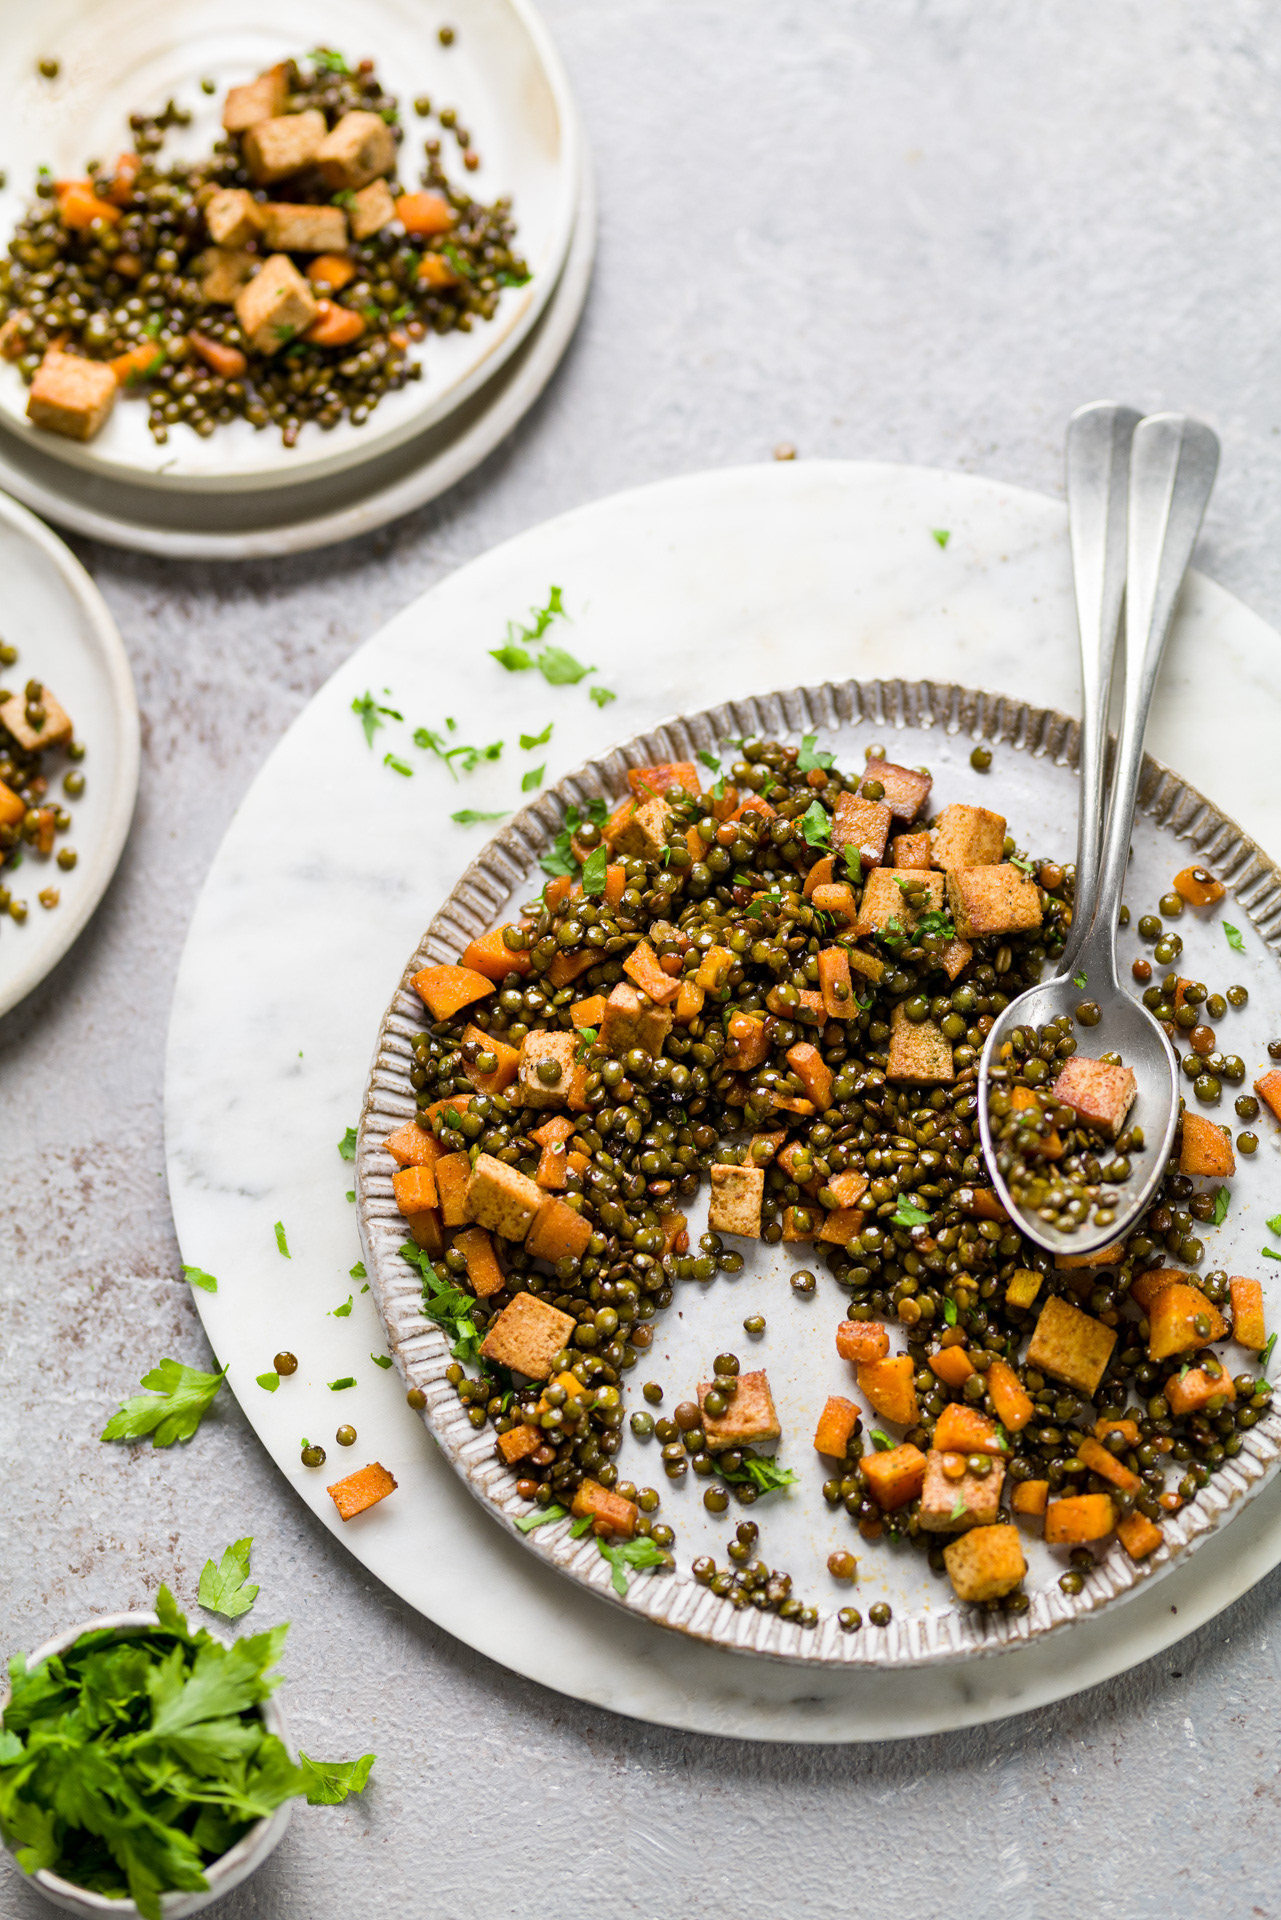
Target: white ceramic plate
{"points": [[57, 619], [341, 506], [121, 55], [814, 570]]}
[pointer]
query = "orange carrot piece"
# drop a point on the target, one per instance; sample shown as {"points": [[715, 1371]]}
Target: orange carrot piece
{"points": [[79, 206], [499, 1078], [609, 1511], [333, 270], [427, 1230], [415, 1189], [951, 1365], [1014, 1407], [862, 1340], [334, 325], [452, 1176], [643, 969], [813, 1072], [894, 1476], [837, 1424], [1081, 1517], [1248, 1329], [963, 1429], [819, 875], [445, 991], [360, 1490], [890, 1386], [1107, 1466], [518, 1443], [483, 1270], [136, 363], [1139, 1535], [412, 1146], [227, 362], [1030, 1496], [425, 213], [558, 1231], [127, 169]]}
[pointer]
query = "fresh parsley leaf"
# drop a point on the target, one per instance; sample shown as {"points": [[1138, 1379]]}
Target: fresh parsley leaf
{"points": [[709, 760], [594, 870], [178, 1401], [1274, 1224], [934, 921], [445, 1303], [281, 1243], [380, 1360], [470, 817], [1220, 1213], [1266, 1354], [810, 762], [268, 1381], [515, 659], [941, 534], [1269, 1255], [1023, 864], [351, 1195], [199, 1278], [958, 1507], [764, 1474], [325, 60], [344, 1311], [357, 1272], [328, 1782], [371, 715], [398, 765], [468, 758], [533, 780], [528, 740], [601, 695], [342, 1383], [347, 1145], [529, 1521], [345, 197], [949, 1312], [560, 669], [853, 865], [1235, 941], [816, 825], [224, 1588], [582, 1525], [628, 1554], [881, 1441], [1079, 979], [586, 1041], [907, 1214]]}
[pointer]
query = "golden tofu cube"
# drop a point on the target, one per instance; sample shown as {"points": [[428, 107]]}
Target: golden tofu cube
{"points": [[545, 1045], [71, 395], [1099, 1094], [276, 306], [910, 850], [357, 150], [632, 1020], [1070, 1345], [968, 837], [231, 216], [951, 1505], [920, 1053], [1022, 1288], [906, 788], [260, 99], [883, 898], [298, 229], [735, 1202], [863, 824], [985, 1563], [224, 271], [503, 1198], [371, 210], [997, 899], [285, 144], [644, 835], [527, 1336], [55, 730], [748, 1419]]}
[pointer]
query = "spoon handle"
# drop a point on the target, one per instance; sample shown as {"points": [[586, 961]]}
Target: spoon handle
{"points": [[1098, 479], [1173, 462]]}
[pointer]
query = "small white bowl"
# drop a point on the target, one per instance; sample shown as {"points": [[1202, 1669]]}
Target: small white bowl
{"points": [[224, 1873]]}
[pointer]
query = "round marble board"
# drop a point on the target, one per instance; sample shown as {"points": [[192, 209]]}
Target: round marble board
{"points": [[723, 583]]}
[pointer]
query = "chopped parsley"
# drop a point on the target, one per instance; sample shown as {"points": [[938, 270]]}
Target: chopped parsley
{"points": [[199, 1278], [468, 758], [529, 1521], [586, 1041], [853, 865], [1220, 1213], [225, 1588], [471, 817], [178, 1401], [941, 534], [344, 1311], [949, 1312], [1079, 979], [398, 765], [380, 1360], [816, 825], [594, 870], [810, 762], [268, 1381], [328, 1782], [936, 922], [340, 1385], [347, 1145], [1266, 1354], [709, 760], [533, 780], [1274, 1224], [562, 861], [764, 1474], [281, 1243], [372, 714], [629, 1554], [881, 1441], [528, 740], [601, 695], [325, 60], [446, 1304], [1023, 864], [357, 1272], [906, 1214], [1235, 941]]}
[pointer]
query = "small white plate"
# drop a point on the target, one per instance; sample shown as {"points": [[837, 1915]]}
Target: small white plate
{"points": [[120, 56], [65, 636], [342, 506]]}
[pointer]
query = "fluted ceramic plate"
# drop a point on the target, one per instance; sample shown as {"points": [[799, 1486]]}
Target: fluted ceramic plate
{"points": [[1033, 782], [502, 74]]}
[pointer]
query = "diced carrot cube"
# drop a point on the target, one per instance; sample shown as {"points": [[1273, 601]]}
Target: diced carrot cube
{"points": [[519, 1442], [1172, 1322], [951, 1365], [746, 1043], [689, 1002], [646, 782], [1014, 1407], [415, 1189], [894, 1476], [557, 891], [500, 1077], [1199, 888], [566, 967], [841, 1225], [813, 1072], [1197, 1388], [1205, 1148], [819, 875], [1078, 1518], [558, 1231], [1030, 1496], [79, 206], [1110, 1423], [642, 967], [609, 1511], [362, 1489], [1139, 1535], [423, 214], [615, 884], [1248, 1329], [837, 1424], [453, 1175], [862, 1340], [1107, 1466], [412, 1146], [890, 1386], [491, 956], [837, 898], [1269, 1091], [445, 991], [713, 969], [229, 363], [834, 980], [963, 1429], [588, 1012]]}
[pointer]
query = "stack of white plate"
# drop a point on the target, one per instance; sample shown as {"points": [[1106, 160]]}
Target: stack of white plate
{"points": [[242, 493]]}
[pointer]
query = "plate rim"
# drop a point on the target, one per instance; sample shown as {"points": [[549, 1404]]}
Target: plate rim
{"points": [[105, 634], [913, 1640], [76, 458]]}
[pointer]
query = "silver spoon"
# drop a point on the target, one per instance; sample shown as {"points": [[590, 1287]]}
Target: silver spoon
{"points": [[1172, 465]]}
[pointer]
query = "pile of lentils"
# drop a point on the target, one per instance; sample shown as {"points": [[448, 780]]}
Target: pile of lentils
{"points": [[936, 1252], [25, 773], [110, 287], [1065, 1186]]}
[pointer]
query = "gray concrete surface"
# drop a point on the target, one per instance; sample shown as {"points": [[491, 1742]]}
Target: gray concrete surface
{"points": [[914, 230]]}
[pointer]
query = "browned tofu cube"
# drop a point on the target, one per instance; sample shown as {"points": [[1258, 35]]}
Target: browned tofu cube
{"points": [[632, 1020], [1100, 1095], [951, 1502], [883, 899], [546, 1049], [748, 1419], [921, 1053], [862, 824], [503, 1198], [260, 99], [735, 1202], [231, 216], [910, 850], [644, 835], [371, 210], [527, 1336], [1070, 1345], [985, 1563], [71, 396], [54, 730], [968, 837], [1000, 899], [297, 229], [285, 144], [906, 788], [357, 150], [276, 306], [224, 271]]}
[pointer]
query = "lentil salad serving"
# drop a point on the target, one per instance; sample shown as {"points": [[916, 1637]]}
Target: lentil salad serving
{"points": [[779, 987], [34, 728], [284, 279]]}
